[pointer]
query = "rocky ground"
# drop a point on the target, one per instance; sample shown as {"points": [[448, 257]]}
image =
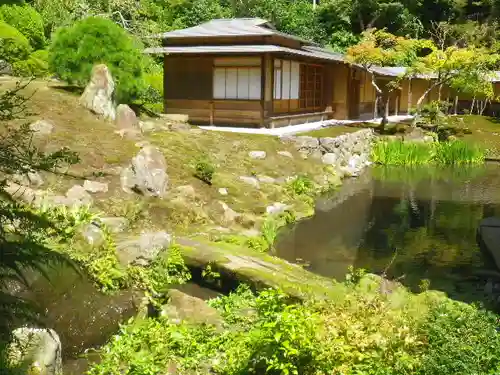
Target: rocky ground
{"points": [[136, 178]]}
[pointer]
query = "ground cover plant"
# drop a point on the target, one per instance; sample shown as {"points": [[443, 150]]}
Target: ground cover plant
{"points": [[364, 332], [403, 153]]}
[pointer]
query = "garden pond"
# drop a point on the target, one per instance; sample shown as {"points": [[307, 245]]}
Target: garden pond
{"points": [[417, 226]]}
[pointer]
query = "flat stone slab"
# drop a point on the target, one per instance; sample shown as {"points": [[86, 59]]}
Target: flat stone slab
{"points": [[260, 270]]}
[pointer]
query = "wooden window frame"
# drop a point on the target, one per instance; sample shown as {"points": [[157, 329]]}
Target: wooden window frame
{"points": [[236, 67], [311, 87]]}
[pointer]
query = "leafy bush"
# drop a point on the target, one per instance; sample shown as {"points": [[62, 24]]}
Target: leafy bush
{"points": [[460, 340], [204, 170], [76, 49], [363, 332], [13, 44], [27, 20], [37, 65]]}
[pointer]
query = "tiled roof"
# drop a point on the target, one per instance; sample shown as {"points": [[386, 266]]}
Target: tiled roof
{"points": [[230, 27], [318, 53]]}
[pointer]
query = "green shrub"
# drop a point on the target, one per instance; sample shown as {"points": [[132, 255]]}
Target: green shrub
{"points": [[13, 44], [204, 170], [76, 49], [37, 65], [460, 339], [27, 20]]}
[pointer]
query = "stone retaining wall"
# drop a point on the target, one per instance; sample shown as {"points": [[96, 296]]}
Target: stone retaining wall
{"points": [[348, 153]]}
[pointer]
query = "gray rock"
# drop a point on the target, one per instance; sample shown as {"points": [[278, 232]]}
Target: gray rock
{"points": [[286, 154], [417, 135], [5, 68], [192, 310], [315, 154], [126, 117], [186, 191], [147, 174], [229, 215], [95, 186], [330, 158], [40, 348], [128, 133], [144, 249], [29, 179], [266, 179], [277, 208], [223, 191], [115, 224], [42, 127], [330, 144], [98, 95], [78, 195], [147, 126], [257, 155], [180, 127], [92, 234], [250, 181], [302, 142]]}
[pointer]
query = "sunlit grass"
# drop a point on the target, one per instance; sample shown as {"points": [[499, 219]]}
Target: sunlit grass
{"points": [[411, 153]]}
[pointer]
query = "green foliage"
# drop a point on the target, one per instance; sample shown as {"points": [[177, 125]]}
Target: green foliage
{"points": [[458, 152], [13, 44], [364, 332], [461, 340], [204, 170], [27, 20], [418, 153], [37, 65], [22, 232], [302, 185], [269, 231], [76, 49]]}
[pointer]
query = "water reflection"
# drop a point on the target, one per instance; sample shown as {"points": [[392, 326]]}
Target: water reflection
{"points": [[410, 224]]}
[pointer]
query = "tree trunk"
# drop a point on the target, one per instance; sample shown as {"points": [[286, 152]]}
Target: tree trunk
{"points": [[456, 105], [472, 105], [375, 107]]}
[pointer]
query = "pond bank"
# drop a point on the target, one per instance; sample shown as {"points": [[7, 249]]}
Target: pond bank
{"points": [[411, 224]]}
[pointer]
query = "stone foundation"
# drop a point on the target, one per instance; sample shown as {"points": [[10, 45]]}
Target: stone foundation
{"points": [[348, 153]]}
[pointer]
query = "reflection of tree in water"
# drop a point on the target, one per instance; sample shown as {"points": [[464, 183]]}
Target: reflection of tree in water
{"points": [[428, 239]]}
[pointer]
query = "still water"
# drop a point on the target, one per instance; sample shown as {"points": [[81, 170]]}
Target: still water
{"points": [[409, 224]]}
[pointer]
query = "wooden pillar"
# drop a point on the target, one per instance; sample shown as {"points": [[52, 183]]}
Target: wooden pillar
{"points": [[410, 99], [267, 87], [455, 110], [165, 88], [396, 107], [211, 112]]}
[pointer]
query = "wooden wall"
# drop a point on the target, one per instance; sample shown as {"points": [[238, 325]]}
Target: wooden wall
{"points": [[218, 112], [339, 87]]}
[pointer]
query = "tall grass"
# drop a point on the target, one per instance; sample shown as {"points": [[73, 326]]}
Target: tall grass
{"points": [[412, 153]]}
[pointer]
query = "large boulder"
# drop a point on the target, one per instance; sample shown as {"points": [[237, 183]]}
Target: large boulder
{"points": [[42, 127], [126, 117], [147, 174], [192, 310], [144, 249], [98, 95], [40, 349]]}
